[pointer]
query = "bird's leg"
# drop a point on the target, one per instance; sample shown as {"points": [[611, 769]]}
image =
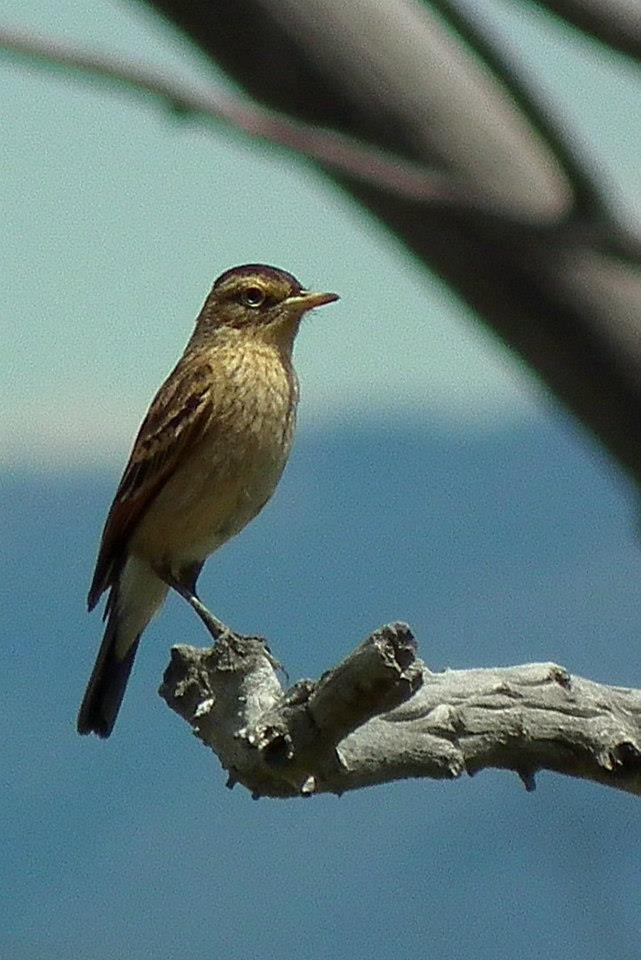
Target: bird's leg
{"points": [[185, 585], [215, 626]]}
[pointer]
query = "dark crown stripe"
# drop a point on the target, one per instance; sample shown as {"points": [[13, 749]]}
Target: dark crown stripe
{"points": [[259, 270]]}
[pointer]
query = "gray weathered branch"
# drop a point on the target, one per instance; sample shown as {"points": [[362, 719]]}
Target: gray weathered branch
{"points": [[381, 715]]}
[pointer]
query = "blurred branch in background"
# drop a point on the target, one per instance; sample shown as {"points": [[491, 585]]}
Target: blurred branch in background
{"points": [[381, 715], [420, 80], [412, 110], [342, 154], [616, 23]]}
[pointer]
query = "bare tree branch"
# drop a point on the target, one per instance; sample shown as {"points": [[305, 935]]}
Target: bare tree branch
{"points": [[462, 164], [617, 23], [423, 80], [339, 152], [381, 715]]}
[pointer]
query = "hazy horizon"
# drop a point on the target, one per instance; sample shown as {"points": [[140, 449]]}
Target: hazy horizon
{"points": [[518, 548]]}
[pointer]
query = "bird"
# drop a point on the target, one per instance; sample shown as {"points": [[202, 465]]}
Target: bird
{"points": [[206, 459]]}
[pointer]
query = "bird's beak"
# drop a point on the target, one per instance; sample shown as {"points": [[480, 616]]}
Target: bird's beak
{"points": [[307, 299]]}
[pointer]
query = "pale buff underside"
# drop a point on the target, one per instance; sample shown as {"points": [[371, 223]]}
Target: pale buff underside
{"points": [[218, 488]]}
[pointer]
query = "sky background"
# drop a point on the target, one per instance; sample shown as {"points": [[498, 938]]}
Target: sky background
{"points": [[432, 481], [117, 218]]}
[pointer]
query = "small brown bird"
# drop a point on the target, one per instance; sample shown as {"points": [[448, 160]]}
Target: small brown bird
{"points": [[207, 458]]}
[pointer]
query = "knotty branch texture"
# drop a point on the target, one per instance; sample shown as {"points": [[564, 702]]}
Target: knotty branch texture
{"points": [[381, 715]]}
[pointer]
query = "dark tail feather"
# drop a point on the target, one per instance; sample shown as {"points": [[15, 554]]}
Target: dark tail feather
{"points": [[107, 684]]}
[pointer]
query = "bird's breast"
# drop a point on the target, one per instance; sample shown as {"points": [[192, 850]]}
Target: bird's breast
{"points": [[232, 471]]}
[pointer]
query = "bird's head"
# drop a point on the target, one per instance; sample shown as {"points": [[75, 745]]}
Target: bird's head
{"points": [[259, 301]]}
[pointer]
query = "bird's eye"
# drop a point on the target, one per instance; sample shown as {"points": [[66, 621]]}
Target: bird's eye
{"points": [[253, 296]]}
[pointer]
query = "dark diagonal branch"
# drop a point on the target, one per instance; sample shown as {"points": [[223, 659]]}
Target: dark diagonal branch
{"points": [[616, 23], [381, 715], [566, 299], [339, 152]]}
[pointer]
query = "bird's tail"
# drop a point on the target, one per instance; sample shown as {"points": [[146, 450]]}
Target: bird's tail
{"points": [[107, 683], [132, 603]]}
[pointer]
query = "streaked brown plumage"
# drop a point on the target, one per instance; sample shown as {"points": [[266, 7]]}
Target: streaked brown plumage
{"points": [[207, 458]]}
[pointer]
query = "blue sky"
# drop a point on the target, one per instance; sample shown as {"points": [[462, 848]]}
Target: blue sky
{"points": [[432, 481]]}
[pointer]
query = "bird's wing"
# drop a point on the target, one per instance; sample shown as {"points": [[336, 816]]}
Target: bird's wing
{"points": [[176, 420]]}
